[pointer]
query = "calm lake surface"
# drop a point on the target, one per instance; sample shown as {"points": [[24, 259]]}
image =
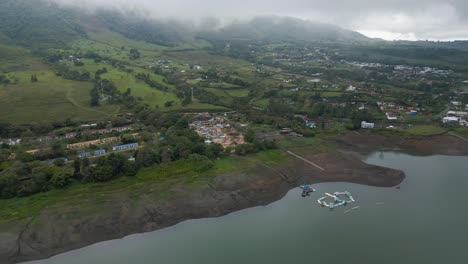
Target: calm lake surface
{"points": [[426, 221]]}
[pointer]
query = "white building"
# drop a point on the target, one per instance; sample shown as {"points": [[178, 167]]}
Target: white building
{"points": [[11, 142], [351, 88], [450, 119], [457, 113], [366, 125], [391, 116]]}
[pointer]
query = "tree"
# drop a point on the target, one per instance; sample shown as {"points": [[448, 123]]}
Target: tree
{"points": [[134, 54], [33, 78], [94, 93], [213, 151], [9, 186], [168, 103], [146, 157], [464, 99], [99, 173], [249, 136], [59, 162], [61, 179], [187, 100], [77, 168]]}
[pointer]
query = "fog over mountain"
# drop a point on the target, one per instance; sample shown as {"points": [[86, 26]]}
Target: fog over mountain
{"points": [[388, 19]]}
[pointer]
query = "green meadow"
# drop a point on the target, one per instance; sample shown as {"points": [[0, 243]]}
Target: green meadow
{"points": [[50, 99]]}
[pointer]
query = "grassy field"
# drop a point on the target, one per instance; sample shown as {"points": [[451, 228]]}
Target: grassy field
{"points": [[152, 96], [424, 130], [462, 131], [331, 94], [50, 99], [238, 92], [262, 103], [197, 107], [13, 58]]}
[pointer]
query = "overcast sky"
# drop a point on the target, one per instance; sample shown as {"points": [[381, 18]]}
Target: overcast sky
{"points": [[388, 19]]}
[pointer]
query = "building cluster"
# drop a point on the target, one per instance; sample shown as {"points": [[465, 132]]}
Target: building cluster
{"points": [[456, 117], [125, 147], [101, 131], [392, 110], [10, 141], [404, 72], [216, 129], [70, 135], [95, 153], [86, 144]]}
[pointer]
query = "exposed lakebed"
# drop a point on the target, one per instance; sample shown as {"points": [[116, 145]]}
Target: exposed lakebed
{"points": [[422, 222]]}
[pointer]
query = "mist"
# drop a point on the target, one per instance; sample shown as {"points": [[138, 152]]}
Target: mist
{"points": [[387, 19]]}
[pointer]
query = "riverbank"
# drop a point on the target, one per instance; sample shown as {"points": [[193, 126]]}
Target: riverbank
{"points": [[62, 227]]}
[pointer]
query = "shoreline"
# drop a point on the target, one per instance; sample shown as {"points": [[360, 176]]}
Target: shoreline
{"points": [[57, 230]]}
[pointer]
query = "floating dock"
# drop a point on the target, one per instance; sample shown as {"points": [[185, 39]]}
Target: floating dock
{"points": [[306, 190], [337, 199]]}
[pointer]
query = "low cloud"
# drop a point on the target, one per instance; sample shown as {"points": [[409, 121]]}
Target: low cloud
{"points": [[390, 19]]}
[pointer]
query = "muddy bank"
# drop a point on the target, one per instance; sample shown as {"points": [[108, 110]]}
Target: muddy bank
{"points": [[60, 228], [365, 142]]}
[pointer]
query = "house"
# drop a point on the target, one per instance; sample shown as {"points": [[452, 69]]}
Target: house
{"points": [[450, 120], [367, 125], [99, 152], [391, 116], [83, 155], [457, 113], [351, 89], [413, 113], [51, 161], [310, 124], [45, 139], [125, 147], [71, 135]]}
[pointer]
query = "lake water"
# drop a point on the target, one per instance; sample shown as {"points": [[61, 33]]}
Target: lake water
{"points": [[426, 221]]}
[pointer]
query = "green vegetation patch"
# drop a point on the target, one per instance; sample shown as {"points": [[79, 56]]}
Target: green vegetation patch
{"points": [[238, 92], [154, 179], [462, 131], [50, 99], [139, 89], [426, 130]]}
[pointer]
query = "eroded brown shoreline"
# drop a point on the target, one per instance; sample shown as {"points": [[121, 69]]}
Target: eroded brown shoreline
{"points": [[57, 230]]}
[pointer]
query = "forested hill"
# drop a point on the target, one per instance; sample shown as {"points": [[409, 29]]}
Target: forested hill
{"points": [[36, 23], [273, 28], [39, 24]]}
